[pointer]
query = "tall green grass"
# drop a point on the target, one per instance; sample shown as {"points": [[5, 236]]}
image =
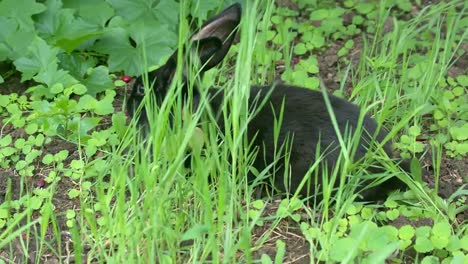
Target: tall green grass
{"points": [[147, 206], [153, 208]]}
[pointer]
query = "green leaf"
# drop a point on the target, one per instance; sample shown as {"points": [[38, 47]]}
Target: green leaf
{"points": [[41, 63], [48, 159], [79, 89], [56, 88], [98, 81], [300, 49], [349, 44], [442, 229], [64, 28], [352, 210], [439, 241], [462, 80], [404, 5], [105, 106], [265, 259], [414, 131], [94, 11], [280, 250], [201, 9], [119, 123], [365, 7], [7, 151], [77, 64], [406, 232], [61, 155], [35, 202], [423, 245], [196, 231], [258, 204], [70, 214], [458, 91], [423, 231], [5, 140], [21, 165], [77, 164], [416, 170], [430, 260], [15, 39], [21, 11], [41, 56], [81, 126], [319, 14], [73, 193], [4, 100], [340, 249], [464, 242], [391, 204]]}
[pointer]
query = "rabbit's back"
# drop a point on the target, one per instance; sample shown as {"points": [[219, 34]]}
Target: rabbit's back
{"points": [[308, 125]]}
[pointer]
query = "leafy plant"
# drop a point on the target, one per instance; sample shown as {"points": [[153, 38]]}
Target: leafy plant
{"points": [[451, 116]]}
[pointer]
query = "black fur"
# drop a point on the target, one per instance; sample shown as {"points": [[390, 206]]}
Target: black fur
{"points": [[305, 117]]}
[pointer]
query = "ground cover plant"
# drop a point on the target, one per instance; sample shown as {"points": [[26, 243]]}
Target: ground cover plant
{"points": [[78, 182]]}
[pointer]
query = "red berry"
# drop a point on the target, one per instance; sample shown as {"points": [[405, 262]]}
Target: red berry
{"points": [[126, 78], [40, 183]]}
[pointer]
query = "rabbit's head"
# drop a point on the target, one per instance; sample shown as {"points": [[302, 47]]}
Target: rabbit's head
{"points": [[210, 45]]}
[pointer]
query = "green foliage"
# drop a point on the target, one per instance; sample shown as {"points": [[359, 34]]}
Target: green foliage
{"points": [[450, 116], [58, 36], [129, 195], [409, 144]]}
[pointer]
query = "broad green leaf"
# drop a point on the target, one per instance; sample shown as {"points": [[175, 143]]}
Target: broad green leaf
{"points": [[423, 245], [21, 11], [81, 126], [53, 76], [76, 64], [41, 63], [98, 81], [147, 10], [61, 26], [41, 56], [340, 249], [49, 21], [201, 8], [94, 11], [124, 57]]}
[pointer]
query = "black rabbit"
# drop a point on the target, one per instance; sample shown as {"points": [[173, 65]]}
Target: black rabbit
{"points": [[305, 118]]}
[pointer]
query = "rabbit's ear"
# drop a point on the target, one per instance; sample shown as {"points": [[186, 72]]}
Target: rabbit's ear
{"points": [[216, 36]]}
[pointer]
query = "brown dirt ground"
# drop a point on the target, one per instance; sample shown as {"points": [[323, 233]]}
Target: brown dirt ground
{"points": [[297, 248]]}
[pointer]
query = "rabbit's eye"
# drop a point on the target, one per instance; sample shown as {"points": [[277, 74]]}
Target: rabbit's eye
{"points": [[140, 90]]}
